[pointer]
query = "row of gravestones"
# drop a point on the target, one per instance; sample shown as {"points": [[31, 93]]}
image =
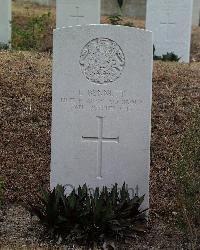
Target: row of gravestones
{"points": [[169, 20], [136, 8], [102, 94]]}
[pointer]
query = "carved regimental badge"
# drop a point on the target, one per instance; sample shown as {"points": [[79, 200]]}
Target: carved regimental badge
{"points": [[102, 61]]}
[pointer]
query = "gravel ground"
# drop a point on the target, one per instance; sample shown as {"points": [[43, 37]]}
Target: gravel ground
{"points": [[20, 231]]}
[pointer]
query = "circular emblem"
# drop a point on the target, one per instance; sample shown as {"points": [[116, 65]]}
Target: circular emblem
{"points": [[102, 61]]}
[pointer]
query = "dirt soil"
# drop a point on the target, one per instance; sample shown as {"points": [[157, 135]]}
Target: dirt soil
{"points": [[25, 121], [20, 231]]}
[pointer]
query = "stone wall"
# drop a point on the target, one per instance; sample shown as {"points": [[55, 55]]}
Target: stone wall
{"points": [[196, 13]]}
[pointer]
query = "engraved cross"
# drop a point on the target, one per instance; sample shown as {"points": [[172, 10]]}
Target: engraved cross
{"points": [[77, 15], [100, 139], [168, 23]]}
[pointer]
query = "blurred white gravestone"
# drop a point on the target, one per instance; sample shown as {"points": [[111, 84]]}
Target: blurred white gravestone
{"points": [[170, 21], [77, 12], [196, 13], [5, 21], [102, 81], [41, 2]]}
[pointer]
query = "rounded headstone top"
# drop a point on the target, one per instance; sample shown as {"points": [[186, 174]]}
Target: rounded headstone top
{"points": [[102, 60]]}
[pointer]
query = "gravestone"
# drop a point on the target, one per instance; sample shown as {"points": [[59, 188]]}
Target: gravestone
{"points": [[110, 8], [102, 80], [134, 8], [196, 13], [40, 2], [77, 12], [5, 19], [171, 23], [46, 2]]}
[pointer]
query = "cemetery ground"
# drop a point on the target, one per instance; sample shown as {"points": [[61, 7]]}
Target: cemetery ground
{"points": [[25, 78], [25, 145]]}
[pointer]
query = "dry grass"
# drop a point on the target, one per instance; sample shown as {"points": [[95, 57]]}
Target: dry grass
{"points": [[26, 8], [176, 91], [25, 120], [195, 45], [35, 247], [25, 100], [24, 247]]}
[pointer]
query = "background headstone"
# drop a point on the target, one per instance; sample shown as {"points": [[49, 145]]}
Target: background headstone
{"points": [[134, 8], [77, 12], [196, 13], [102, 81], [5, 21], [110, 8], [41, 2], [171, 23]]}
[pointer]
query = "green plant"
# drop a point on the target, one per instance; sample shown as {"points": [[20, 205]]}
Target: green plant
{"points": [[115, 20], [129, 24], [32, 34], [4, 46], [155, 57], [188, 180], [170, 57], [120, 2], [166, 57], [90, 217]]}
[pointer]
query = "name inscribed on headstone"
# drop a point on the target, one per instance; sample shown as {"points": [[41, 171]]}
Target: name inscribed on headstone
{"points": [[92, 100]]}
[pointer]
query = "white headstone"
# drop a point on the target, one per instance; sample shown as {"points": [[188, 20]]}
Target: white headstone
{"points": [[170, 21], [41, 2], [77, 12], [5, 21], [196, 13], [102, 81]]}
